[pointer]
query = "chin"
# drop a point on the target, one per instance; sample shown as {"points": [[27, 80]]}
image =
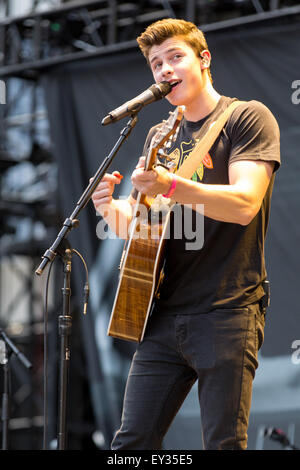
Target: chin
{"points": [[175, 101]]}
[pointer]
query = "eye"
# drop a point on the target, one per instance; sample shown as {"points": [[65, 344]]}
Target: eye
{"points": [[156, 66], [177, 56]]}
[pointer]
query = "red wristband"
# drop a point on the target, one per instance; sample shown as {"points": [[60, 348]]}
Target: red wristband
{"points": [[172, 187]]}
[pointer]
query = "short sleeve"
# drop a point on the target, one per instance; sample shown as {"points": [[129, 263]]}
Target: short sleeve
{"points": [[254, 134]]}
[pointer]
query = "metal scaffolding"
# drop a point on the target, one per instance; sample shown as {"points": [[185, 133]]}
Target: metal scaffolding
{"points": [[75, 30]]}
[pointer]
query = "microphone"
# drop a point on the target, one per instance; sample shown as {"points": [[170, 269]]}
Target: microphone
{"points": [[153, 93]]}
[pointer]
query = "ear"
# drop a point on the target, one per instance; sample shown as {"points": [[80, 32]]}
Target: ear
{"points": [[205, 59]]}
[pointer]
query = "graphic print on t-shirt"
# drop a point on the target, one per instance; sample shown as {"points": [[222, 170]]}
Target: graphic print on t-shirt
{"points": [[179, 155]]}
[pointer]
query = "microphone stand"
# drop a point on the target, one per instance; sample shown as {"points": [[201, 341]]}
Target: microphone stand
{"points": [[6, 353], [65, 320], [72, 221], [64, 328]]}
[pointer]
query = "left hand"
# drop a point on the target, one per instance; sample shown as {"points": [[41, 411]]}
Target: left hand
{"points": [[152, 182]]}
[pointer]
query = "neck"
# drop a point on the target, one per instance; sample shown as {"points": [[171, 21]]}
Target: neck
{"points": [[204, 105]]}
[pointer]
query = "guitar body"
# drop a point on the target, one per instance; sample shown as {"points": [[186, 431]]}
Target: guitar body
{"points": [[140, 279], [141, 267]]}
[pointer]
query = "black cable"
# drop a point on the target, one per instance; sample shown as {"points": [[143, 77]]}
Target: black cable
{"points": [[46, 357], [86, 287], [86, 297]]}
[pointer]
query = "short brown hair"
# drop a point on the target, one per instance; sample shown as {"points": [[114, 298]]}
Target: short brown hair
{"points": [[158, 32]]}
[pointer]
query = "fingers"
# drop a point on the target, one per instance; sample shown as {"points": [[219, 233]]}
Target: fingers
{"points": [[151, 182], [144, 181], [142, 175], [114, 178], [104, 191], [118, 175], [141, 162], [102, 194]]}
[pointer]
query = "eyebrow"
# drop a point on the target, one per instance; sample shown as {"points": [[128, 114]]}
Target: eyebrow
{"points": [[167, 51]]}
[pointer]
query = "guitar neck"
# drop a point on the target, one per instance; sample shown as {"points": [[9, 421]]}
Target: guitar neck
{"points": [[149, 164]]}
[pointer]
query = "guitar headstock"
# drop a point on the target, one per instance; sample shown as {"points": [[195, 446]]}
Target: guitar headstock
{"points": [[164, 136]]}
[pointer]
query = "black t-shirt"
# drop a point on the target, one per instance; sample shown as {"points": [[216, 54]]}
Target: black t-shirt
{"points": [[227, 269]]}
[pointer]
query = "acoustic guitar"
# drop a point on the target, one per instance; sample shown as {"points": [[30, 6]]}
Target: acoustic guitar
{"points": [[141, 265]]}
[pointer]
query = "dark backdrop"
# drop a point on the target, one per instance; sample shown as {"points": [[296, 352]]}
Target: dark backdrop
{"points": [[249, 62]]}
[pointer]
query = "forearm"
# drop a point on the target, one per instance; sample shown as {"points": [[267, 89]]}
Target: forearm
{"points": [[237, 202], [118, 215], [226, 203]]}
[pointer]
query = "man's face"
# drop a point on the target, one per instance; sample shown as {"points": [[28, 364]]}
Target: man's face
{"points": [[175, 61]]}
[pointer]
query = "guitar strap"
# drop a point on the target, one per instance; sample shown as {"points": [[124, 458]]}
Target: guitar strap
{"points": [[189, 166]]}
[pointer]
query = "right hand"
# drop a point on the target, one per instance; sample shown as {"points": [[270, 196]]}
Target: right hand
{"points": [[141, 162], [104, 191]]}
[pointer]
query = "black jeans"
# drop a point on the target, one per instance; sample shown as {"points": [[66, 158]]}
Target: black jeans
{"points": [[219, 349]]}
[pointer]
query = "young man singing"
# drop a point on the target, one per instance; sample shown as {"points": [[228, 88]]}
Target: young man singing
{"points": [[209, 321]]}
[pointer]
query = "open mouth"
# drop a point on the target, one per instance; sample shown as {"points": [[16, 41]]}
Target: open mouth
{"points": [[175, 83]]}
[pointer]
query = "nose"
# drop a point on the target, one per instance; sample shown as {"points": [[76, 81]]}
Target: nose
{"points": [[166, 69]]}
